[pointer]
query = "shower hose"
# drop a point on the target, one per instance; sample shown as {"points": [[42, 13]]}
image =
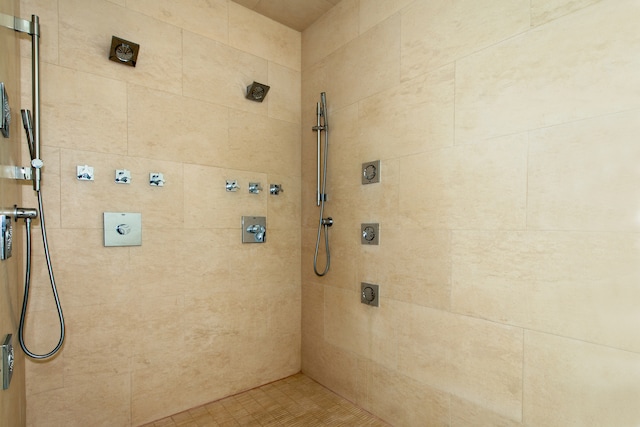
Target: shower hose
{"points": [[27, 283]]}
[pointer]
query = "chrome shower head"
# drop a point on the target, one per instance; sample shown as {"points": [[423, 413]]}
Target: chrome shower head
{"points": [[257, 91], [123, 51]]}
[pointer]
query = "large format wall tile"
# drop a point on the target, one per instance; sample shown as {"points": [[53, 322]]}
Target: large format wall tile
{"points": [[263, 37], [467, 186], [573, 383], [477, 360], [410, 118], [68, 121], [576, 284], [208, 18], [331, 31], [171, 127], [543, 11], [583, 175], [435, 33], [552, 74], [357, 71]]}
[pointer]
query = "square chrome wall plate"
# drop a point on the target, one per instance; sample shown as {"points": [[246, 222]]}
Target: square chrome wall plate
{"points": [[254, 229], [371, 172], [370, 294], [370, 234], [122, 229]]}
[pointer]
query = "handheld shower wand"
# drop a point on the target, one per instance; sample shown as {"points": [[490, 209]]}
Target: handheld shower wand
{"points": [[28, 128]]}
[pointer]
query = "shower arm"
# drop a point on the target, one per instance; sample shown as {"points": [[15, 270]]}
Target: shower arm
{"points": [[33, 29]]}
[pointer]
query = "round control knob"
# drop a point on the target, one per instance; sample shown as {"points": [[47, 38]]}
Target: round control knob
{"points": [[368, 294], [368, 233], [37, 163]]}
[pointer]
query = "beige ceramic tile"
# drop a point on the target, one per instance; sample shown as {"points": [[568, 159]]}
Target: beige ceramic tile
{"points": [[262, 144], [468, 186], [439, 32], [171, 127], [220, 208], [209, 18], [579, 182], [85, 34], [543, 11], [573, 383], [372, 12], [312, 311], [560, 72], [581, 285], [42, 377], [47, 12], [477, 360], [334, 29], [466, 414], [338, 370], [402, 400], [426, 282], [260, 36], [410, 118], [357, 71], [284, 208], [217, 73], [69, 121], [284, 95], [346, 322], [104, 401]]}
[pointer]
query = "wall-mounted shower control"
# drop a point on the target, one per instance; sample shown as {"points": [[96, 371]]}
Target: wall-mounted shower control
{"points": [[254, 187], [275, 189], [123, 176], [122, 229], [254, 229], [156, 179], [370, 234], [232, 185], [84, 173], [370, 294], [371, 172]]}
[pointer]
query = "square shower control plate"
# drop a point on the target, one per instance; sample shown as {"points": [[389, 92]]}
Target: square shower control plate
{"points": [[122, 229]]}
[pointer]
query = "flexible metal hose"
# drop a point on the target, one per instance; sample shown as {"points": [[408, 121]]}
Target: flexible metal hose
{"points": [[27, 283]]}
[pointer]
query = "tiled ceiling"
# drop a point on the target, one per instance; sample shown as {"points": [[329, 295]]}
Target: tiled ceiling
{"points": [[296, 14]]}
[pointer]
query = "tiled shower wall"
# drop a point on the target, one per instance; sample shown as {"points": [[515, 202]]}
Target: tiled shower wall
{"points": [[12, 400], [192, 315], [508, 210]]}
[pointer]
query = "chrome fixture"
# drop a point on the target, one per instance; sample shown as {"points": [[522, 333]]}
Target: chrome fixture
{"points": [[257, 91], [32, 128], [322, 124], [371, 172], [275, 189], [156, 179], [254, 229], [370, 294], [123, 51], [254, 187], [5, 120], [232, 185], [6, 365], [370, 234]]}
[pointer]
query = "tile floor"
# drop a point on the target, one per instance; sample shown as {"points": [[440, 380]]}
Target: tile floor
{"points": [[294, 401]]}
